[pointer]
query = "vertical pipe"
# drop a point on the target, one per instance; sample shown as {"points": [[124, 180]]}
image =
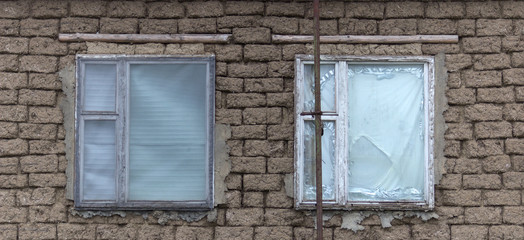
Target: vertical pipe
{"points": [[318, 122]]}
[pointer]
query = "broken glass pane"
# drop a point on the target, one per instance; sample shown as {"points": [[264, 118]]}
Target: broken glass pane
{"points": [[327, 87], [386, 132], [328, 161]]}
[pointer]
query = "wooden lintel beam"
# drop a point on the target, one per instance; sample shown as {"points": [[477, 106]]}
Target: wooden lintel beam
{"points": [[146, 38], [367, 39]]}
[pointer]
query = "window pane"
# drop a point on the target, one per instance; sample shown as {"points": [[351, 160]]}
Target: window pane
{"points": [[327, 87], [328, 161], [386, 132], [99, 160], [167, 139], [100, 87]]}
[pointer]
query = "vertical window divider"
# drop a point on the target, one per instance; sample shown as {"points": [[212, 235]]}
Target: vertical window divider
{"points": [[342, 146], [122, 147]]}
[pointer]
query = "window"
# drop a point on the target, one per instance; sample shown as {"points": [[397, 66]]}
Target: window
{"points": [[144, 129], [377, 142]]}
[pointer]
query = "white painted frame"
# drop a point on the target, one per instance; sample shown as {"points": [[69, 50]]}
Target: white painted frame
{"points": [[341, 169], [120, 116]]}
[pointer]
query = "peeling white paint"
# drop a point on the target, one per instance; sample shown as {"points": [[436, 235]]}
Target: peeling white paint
{"points": [[352, 220]]}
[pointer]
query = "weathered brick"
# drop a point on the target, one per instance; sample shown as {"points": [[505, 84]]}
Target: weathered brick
{"points": [[200, 25], [39, 27], [481, 44], [8, 62], [8, 97], [12, 9], [225, 24], [464, 165], [281, 69], [483, 9], [365, 10], [247, 70], [248, 164], [88, 8], [357, 26], [404, 9], [461, 197], [38, 63], [452, 149], [277, 217], [49, 9], [273, 233], [281, 25], [491, 61], [501, 198], [513, 180], [13, 215], [483, 181], [37, 196], [280, 165], [228, 116], [483, 148], [155, 232], [235, 100], [46, 147], [13, 181], [83, 25], [397, 27], [513, 112], [187, 49], [513, 76], [8, 129], [254, 115], [328, 10], [45, 115], [512, 44], [493, 130], [451, 182], [459, 232], [456, 62], [518, 129], [496, 95], [76, 231], [437, 26], [252, 35], [13, 45], [506, 232], [280, 99], [44, 81], [285, 9], [431, 231], [496, 164], [513, 9], [8, 166], [461, 96], [165, 10], [515, 146], [248, 132], [483, 112], [482, 78], [513, 215], [450, 215], [278, 199], [262, 52], [244, 216], [253, 199], [39, 164], [126, 9], [47, 179], [519, 94], [234, 181], [244, 8], [454, 114], [118, 25], [233, 233], [264, 84], [8, 231], [37, 97], [445, 10], [262, 182], [48, 214], [228, 53], [280, 132], [115, 232], [13, 147], [327, 27], [9, 27], [490, 27], [204, 9]]}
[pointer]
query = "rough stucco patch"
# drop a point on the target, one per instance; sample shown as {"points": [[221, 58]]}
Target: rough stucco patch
{"points": [[222, 162], [289, 186], [441, 105], [67, 105], [352, 220]]}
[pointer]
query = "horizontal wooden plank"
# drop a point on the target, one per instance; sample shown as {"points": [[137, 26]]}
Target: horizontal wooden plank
{"points": [[146, 38], [367, 39]]}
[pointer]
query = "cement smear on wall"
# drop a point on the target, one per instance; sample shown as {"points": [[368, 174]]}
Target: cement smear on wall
{"points": [[67, 105]]}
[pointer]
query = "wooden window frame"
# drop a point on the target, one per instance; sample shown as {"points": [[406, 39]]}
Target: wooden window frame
{"points": [[341, 201], [120, 115]]}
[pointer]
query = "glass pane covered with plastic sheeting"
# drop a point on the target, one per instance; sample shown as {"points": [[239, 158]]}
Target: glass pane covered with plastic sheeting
{"points": [[386, 132], [100, 87], [168, 132], [328, 161], [327, 88], [99, 180]]}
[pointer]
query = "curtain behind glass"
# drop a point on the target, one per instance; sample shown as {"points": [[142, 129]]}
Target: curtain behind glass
{"points": [[167, 132], [386, 132]]}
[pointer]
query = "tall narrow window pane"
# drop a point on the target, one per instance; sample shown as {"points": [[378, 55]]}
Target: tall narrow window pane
{"points": [[327, 87], [167, 132], [328, 161], [100, 87], [386, 132], [99, 166]]}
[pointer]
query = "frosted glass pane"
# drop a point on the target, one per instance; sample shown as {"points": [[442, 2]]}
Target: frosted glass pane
{"points": [[167, 139], [100, 87], [327, 87], [99, 160], [328, 161], [386, 132]]}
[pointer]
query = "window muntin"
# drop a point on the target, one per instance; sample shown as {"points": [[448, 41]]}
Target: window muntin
{"points": [[383, 133], [162, 133]]}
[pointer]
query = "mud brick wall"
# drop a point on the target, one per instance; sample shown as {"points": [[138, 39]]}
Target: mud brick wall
{"points": [[478, 197]]}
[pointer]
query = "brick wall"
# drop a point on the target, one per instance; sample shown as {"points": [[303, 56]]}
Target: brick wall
{"points": [[479, 196]]}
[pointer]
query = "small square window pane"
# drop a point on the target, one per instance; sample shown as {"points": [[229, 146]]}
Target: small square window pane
{"points": [[328, 161], [168, 132], [99, 179], [100, 87], [386, 132], [327, 87]]}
